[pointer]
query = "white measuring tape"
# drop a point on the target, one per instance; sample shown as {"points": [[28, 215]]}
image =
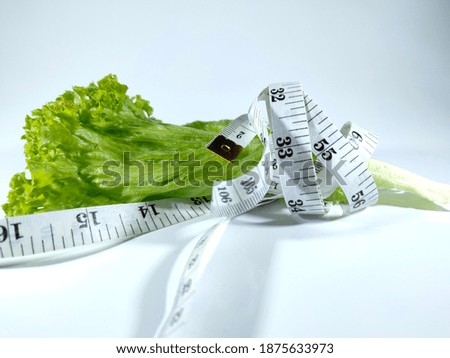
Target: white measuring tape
{"points": [[306, 157], [45, 235], [293, 128]]}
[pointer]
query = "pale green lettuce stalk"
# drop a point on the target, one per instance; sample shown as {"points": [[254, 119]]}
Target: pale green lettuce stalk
{"points": [[401, 187]]}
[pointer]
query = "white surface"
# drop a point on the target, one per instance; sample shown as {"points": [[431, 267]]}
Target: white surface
{"points": [[384, 272]]}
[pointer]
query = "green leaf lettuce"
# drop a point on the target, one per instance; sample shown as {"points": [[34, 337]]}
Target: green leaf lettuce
{"points": [[96, 145]]}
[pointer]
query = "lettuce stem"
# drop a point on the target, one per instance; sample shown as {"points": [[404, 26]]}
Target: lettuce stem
{"points": [[401, 187]]}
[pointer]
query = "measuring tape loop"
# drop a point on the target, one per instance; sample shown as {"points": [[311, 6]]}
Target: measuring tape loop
{"points": [[306, 157]]}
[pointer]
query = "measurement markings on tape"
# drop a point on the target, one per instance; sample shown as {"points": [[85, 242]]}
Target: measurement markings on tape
{"points": [[296, 177], [32, 236], [190, 277]]}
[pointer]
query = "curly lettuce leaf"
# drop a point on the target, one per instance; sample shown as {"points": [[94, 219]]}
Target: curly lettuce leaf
{"points": [[96, 145]]}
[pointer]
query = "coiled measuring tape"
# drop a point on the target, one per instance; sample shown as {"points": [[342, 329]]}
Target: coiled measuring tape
{"points": [[294, 130], [305, 158]]}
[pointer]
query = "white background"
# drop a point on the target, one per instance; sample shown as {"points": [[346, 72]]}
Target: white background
{"points": [[384, 272]]}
